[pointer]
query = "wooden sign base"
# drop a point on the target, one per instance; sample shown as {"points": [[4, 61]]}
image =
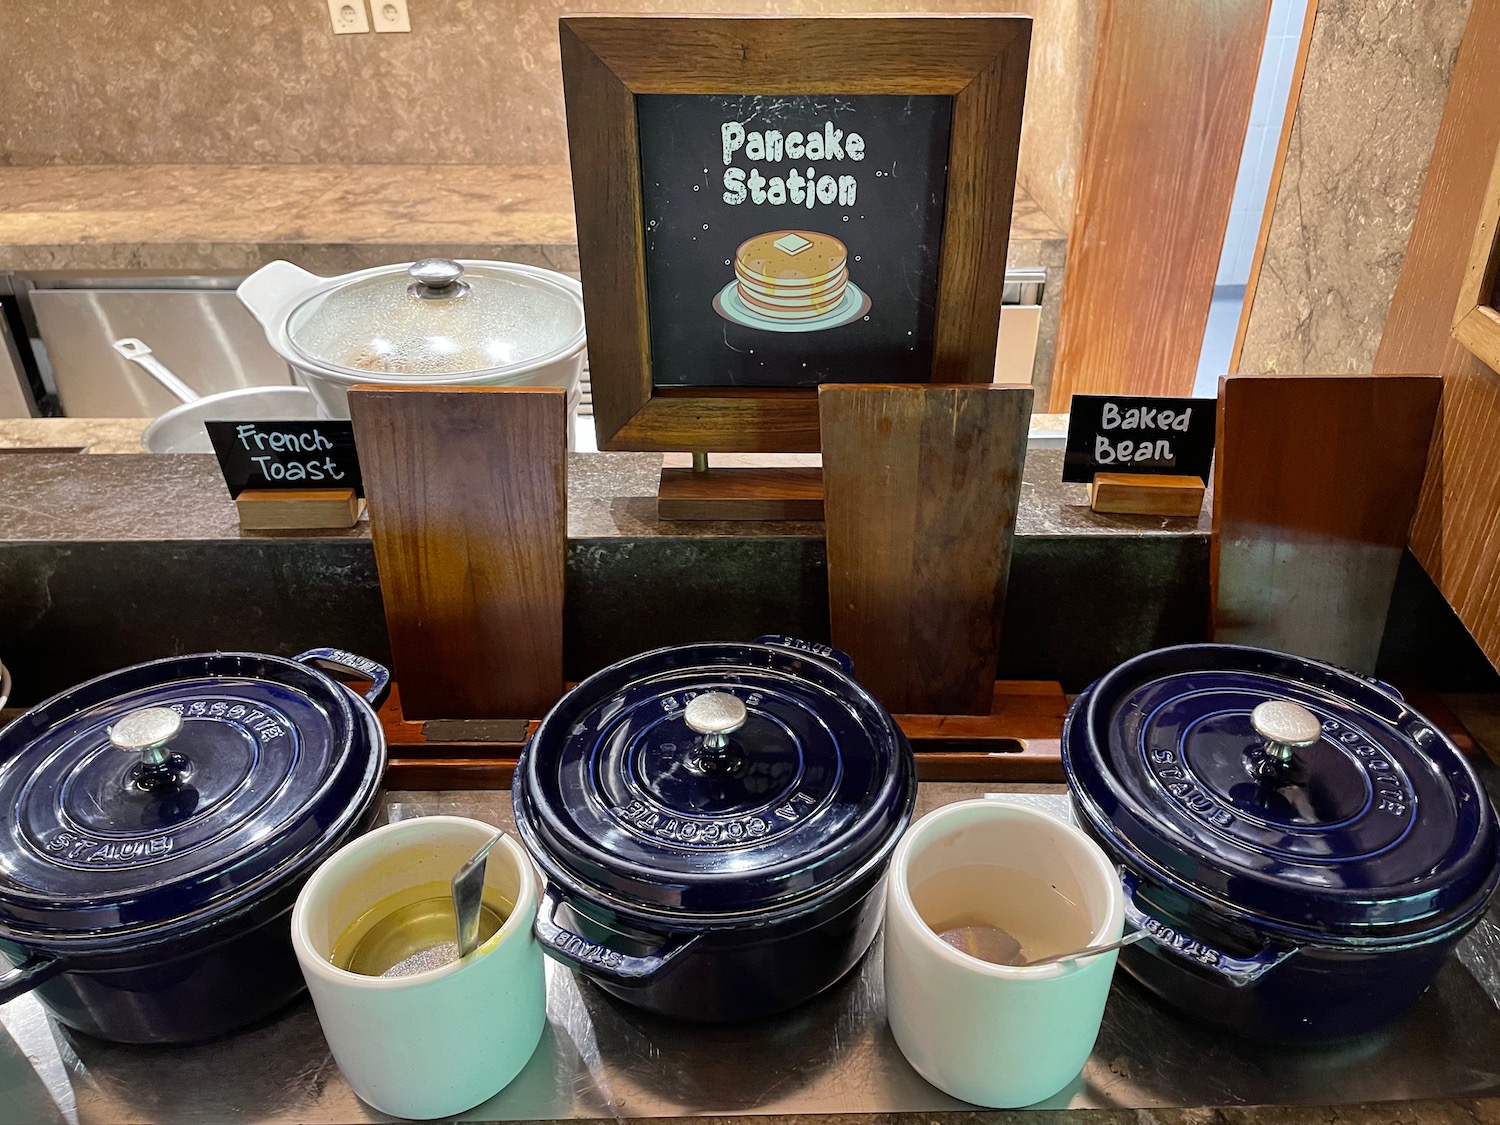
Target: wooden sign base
{"points": [[289, 509], [740, 486], [741, 494], [1146, 495]]}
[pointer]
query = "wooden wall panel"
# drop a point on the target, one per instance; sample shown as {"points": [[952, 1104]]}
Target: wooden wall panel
{"points": [[1456, 534], [1167, 116]]}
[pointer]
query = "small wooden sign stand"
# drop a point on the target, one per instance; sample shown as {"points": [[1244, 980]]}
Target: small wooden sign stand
{"points": [[286, 509], [742, 487], [1146, 494], [922, 487]]}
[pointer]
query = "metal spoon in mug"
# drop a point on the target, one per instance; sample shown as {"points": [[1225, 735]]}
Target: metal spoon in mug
{"points": [[1000, 947], [468, 898]]}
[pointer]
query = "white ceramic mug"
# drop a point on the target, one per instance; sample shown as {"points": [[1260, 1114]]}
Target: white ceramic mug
{"points": [[997, 1035], [439, 1042]]}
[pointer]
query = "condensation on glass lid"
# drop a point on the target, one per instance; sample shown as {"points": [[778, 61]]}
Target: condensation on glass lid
{"points": [[495, 319]]}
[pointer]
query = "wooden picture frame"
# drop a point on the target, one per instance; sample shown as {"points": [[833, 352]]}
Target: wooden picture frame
{"points": [[980, 61], [1476, 321]]}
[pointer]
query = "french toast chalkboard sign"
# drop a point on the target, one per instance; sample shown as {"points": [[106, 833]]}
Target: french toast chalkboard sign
{"points": [[792, 240], [305, 456], [1140, 435], [767, 204]]}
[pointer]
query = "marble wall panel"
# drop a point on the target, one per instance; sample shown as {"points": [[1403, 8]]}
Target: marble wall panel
{"points": [[1372, 95]]}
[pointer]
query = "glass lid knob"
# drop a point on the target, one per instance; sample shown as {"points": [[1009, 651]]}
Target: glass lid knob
{"points": [[1285, 727], [148, 731], [436, 278], [715, 715]]}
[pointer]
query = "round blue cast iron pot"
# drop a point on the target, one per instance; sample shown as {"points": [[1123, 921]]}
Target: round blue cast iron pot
{"points": [[714, 823], [1304, 847], [162, 819]]}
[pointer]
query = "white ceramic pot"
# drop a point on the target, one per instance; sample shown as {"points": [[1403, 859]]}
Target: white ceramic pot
{"points": [[439, 1042], [996, 1035], [429, 323]]}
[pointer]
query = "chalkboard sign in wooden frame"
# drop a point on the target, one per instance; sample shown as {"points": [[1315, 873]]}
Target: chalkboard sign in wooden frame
{"points": [[1476, 321], [608, 61]]}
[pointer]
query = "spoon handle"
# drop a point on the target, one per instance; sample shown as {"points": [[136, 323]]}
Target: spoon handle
{"points": [[468, 898], [1090, 951]]}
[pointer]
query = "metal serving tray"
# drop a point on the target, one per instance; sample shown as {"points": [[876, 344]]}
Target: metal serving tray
{"points": [[601, 1059]]}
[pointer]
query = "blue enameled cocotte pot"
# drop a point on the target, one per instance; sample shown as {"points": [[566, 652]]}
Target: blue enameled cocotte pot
{"points": [[1304, 847], [714, 823], [160, 822]]}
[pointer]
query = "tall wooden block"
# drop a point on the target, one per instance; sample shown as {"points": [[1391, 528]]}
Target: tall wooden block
{"points": [[467, 492], [1316, 479], [921, 485]]}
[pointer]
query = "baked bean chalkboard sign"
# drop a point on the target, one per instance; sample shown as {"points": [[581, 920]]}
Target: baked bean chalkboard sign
{"points": [[768, 204], [792, 240], [1138, 434]]}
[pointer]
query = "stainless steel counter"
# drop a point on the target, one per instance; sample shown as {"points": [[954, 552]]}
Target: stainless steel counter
{"points": [[602, 1060]]}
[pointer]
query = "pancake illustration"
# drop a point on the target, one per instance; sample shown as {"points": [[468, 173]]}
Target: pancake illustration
{"points": [[791, 280]]}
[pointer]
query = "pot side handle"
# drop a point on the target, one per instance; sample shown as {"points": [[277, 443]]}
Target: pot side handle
{"points": [[266, 291], [826, 653], [38, 968], [578, 952], [1239, 971], [378, 675]]}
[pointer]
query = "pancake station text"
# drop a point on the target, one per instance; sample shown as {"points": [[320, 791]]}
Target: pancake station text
{"points": [[800, 186]]}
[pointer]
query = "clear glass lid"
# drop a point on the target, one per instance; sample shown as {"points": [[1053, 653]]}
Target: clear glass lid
{"points": [[438, 317]]}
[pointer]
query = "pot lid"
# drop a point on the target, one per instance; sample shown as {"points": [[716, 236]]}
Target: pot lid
{"points": [[1289, 792], [438, 317], [174, 788], [714, 779]]}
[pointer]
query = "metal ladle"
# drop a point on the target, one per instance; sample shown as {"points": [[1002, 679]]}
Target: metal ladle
{"points": [[1000, 947]]}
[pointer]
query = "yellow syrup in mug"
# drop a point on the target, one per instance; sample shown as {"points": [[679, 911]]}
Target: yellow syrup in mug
{"points": [[412, 931], [960, 904]]}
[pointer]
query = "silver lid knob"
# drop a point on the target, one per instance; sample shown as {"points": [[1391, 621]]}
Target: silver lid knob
{"points": [[1286, 723], [436, 277], [715, 715], [1286, 727], [147, 731]]}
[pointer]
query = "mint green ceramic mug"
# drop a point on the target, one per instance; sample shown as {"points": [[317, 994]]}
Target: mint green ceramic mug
{"points": [[434, 1043]]}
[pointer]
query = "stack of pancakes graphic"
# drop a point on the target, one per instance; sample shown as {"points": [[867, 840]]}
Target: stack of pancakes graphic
{"points": [[791, 274]]}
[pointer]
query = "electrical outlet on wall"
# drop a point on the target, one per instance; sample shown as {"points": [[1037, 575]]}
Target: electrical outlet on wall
{"points": [[348, 16], [390, 15]]}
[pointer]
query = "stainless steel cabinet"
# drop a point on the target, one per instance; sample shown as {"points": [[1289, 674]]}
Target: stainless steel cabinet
{"points": [[195, 325]]}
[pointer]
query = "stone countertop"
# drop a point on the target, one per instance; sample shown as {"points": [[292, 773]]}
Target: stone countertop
{"points": [[325, 217], [52, 497]]}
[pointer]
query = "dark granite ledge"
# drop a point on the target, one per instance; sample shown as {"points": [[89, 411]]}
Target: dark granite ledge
{"points": [[139, 497], [109, 560]]}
